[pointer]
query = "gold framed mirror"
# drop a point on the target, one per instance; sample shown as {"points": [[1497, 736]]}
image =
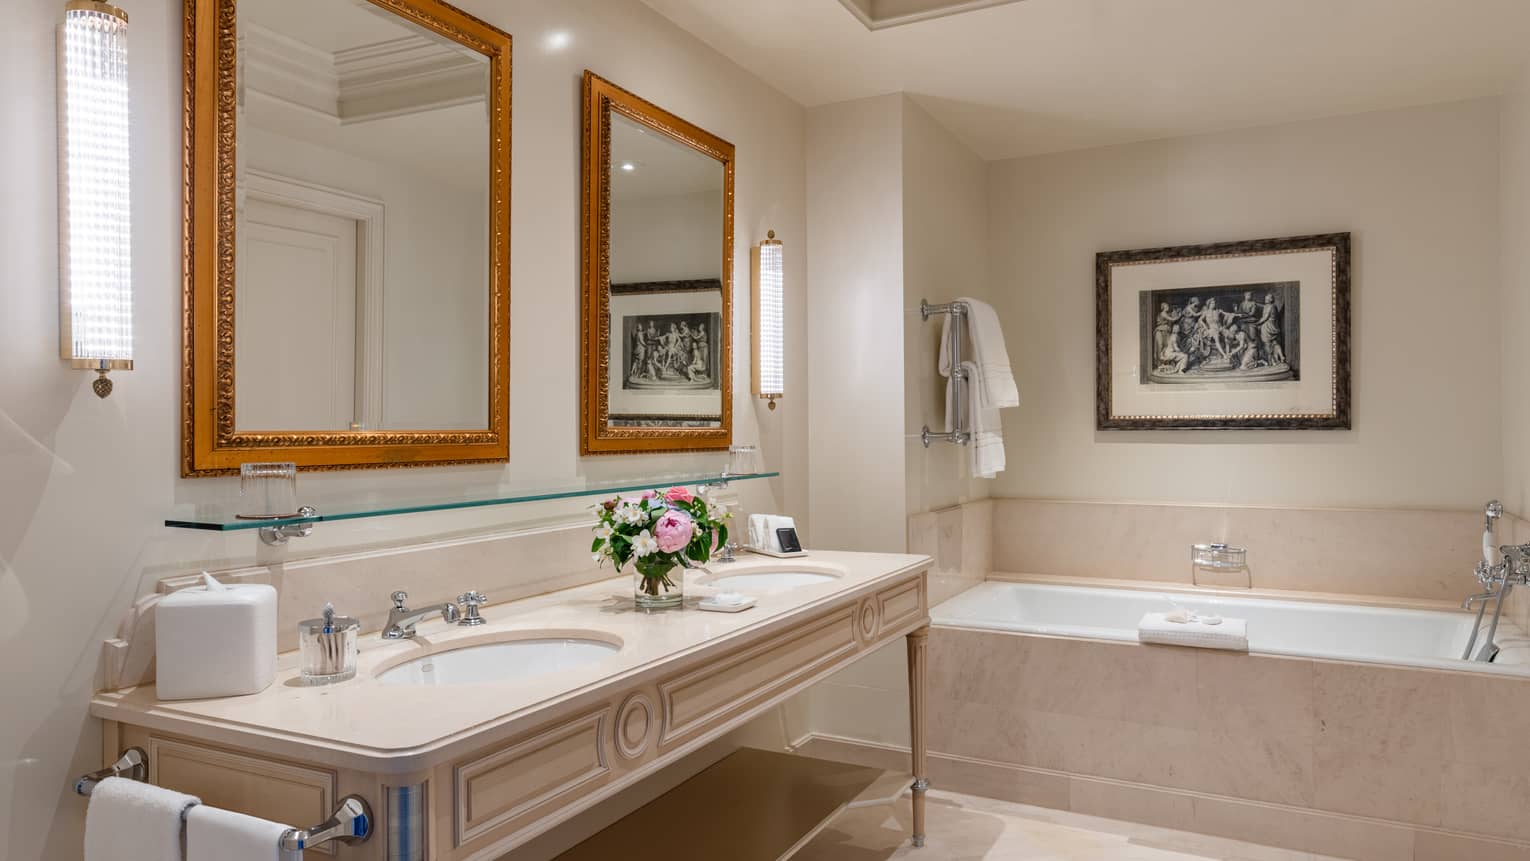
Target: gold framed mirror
{"points": [[657, 360], [346, 235]]}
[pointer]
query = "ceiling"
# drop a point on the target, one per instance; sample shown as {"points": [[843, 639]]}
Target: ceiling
{"points": [[1040, 76], [661, 166]]}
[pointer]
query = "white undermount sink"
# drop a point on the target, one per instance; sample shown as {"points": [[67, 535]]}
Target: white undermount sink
{"points": [[499, 662], [766, 582]]}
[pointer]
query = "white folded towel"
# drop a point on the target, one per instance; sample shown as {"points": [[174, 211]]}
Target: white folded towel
{"points": [[986, 448], [129, 820], [1228, 634], [995, 378], [762, 530], [214, 834]]}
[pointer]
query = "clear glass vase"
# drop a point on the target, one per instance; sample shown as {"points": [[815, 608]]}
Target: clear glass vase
{"points": [[657, 588]]}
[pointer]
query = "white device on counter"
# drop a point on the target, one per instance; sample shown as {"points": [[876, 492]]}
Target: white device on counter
{"points": [[215, 641], [766, 531]]}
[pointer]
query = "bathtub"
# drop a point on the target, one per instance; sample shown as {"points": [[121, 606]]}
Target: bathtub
{"points": [[1427, 638]]}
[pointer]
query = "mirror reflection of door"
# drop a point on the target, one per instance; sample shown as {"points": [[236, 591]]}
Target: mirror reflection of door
{"points": [[666, 216], [294, 258], [362, 176]]}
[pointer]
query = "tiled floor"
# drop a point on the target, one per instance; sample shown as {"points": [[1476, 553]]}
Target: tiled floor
{"points": [[968, 828]]}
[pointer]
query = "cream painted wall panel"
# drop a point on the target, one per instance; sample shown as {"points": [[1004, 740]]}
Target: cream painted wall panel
{"points": [[855, 332], [1514, 228], [85, 483], [1419, 190], [945, 230]]}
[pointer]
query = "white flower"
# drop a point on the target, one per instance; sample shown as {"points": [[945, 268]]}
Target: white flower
{"points": [[716, 511], [603, 531], [644, 543], [598, 557], [631, 514]]}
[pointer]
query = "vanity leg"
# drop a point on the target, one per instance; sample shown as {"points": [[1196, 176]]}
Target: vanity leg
{"points": [[918, 642]]}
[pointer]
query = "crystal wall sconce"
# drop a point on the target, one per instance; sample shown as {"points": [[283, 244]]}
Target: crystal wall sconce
{"points": [[95, 262], [768, 277]]}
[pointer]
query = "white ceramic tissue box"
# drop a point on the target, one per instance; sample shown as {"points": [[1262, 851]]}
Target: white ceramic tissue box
{"points": [[215, 641]]}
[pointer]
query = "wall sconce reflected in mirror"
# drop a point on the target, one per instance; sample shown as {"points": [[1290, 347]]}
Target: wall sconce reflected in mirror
{"points": [[95, 263], [767, 274]]}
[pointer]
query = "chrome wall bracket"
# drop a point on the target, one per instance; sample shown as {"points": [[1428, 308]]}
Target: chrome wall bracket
{"points": [[279, 535], [133, 765], [351, 823]]}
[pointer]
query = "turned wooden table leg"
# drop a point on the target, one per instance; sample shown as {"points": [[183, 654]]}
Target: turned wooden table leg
{"points": [[917, 643]]}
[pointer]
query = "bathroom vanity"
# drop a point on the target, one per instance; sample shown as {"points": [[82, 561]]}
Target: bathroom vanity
{"points": [[577, 696]]}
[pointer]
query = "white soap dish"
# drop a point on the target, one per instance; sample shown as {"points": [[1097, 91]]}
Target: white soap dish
{"points": [[776, 553], [734, 606]]}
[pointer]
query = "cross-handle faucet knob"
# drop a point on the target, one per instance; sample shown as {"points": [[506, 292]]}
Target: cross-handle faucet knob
{"points": [[399, 598], [470, 602]]}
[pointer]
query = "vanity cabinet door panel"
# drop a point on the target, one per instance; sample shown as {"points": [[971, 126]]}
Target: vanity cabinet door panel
{"points": [[499, 791], [695, 700], [293, 794]]}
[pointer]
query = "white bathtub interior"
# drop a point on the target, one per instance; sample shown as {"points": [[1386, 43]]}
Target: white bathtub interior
{"points": [[1432, 638]]}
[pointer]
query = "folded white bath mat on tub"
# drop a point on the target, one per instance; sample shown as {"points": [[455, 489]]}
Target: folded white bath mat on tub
{"points": [[1229, 634]]}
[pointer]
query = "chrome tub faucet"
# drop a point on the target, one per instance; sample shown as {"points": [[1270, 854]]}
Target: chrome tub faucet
{"points": [[1511, 568]]}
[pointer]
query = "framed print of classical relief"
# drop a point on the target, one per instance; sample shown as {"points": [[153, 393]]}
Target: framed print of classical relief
{"points": [[1232, 335]]}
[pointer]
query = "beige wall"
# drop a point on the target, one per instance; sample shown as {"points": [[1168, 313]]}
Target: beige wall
{"points": [[1514, 319], [85, 483], [667, 238], [1418, 188], [855, 331], [945, 228]]}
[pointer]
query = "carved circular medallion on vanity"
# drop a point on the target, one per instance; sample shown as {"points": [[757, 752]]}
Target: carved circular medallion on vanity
{"points": [[635, 722], [868, 620]]}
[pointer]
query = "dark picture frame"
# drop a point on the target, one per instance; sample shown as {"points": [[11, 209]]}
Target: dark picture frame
{"points": [[1249, 343]]}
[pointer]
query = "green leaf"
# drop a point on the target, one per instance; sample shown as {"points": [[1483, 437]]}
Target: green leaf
{"points": [[596, 546]]}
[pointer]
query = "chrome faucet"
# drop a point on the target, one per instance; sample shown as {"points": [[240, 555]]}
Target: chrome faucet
{"points": [[401, 619], [1500, 577]]}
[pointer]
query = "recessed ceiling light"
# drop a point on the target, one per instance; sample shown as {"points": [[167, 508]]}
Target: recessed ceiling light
{"points": [[628, 166]]}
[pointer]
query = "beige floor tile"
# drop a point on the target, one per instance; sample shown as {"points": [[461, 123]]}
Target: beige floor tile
{"points": [[968, 828]]}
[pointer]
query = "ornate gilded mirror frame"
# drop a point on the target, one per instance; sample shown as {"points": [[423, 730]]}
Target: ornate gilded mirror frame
{"points": [[210, 443], [601, 99]]}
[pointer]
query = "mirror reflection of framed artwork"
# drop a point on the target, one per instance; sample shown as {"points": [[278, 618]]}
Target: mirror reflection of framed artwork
{"points": [[658, 240], [1225, 336], [346, 274]]}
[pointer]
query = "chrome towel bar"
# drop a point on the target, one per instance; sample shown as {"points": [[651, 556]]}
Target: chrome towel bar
{"points": [[351, 823], [959, 434]]}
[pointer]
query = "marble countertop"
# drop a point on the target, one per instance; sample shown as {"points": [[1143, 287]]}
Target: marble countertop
{"points": [[364, 724]]}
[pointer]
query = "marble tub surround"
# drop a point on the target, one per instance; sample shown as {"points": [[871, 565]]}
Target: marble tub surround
{"points": [[362, 724], [1356, 760], [1397, 553], [960, 541]]}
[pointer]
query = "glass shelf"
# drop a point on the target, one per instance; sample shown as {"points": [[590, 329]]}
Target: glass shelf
{"points": [[223, 517]]}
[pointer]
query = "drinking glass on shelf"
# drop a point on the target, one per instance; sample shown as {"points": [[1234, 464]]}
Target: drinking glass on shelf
{"points": [[743, 460], [267, 491]]}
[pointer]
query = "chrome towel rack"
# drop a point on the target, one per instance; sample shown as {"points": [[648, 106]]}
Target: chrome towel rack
{"points": [[961, 386], [351, 823]]}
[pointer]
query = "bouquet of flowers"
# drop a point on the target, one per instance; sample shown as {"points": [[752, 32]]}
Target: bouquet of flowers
{"points": [[659, 532]]}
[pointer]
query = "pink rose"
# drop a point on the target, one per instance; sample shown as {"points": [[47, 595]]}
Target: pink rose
{"points": [[674, 531], [678, 494]]}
